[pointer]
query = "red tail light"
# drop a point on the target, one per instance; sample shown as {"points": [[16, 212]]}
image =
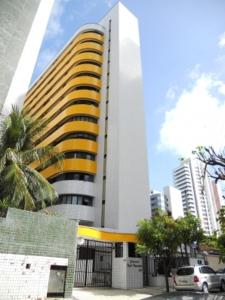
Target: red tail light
{"points": [[196, 279]]}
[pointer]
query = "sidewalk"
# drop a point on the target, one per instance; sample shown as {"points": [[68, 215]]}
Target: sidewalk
{"points": [[115, 294]]}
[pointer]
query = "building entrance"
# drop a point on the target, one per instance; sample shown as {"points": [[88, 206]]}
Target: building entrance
{"points": [[94, 264]]}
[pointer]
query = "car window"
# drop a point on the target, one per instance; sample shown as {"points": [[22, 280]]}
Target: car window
{"points": [[185, 271], [206, 270]]}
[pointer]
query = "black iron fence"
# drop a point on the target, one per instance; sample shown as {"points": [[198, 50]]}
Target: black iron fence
{"points": [[94, 264]]}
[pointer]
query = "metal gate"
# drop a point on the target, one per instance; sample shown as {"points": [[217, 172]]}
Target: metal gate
{"points": [[94, 264], [145, 263]]}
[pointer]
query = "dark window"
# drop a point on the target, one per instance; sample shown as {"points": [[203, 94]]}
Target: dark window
{"points": [[85, 87], [76, 135], [131, 250], [118, 249], [206, 270], [75, 199], [185, 271], [80, 118], [86, 253], [88, 74], [91, 41], [72, 176], [79, 154], [89, 51], [86, 102], [88, 62]]}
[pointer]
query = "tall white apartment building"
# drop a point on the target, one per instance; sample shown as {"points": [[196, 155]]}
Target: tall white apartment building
{"points": [[22, 27], [168, 201], [198, 195], [174, 201], [91, 95]]}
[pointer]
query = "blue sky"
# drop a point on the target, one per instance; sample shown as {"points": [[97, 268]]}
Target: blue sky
{"points": [[183, 61]]}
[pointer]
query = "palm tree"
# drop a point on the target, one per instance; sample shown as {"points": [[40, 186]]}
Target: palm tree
{"points": [[21, 185]]}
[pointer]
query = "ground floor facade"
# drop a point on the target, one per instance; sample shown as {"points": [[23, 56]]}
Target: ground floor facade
{"points": [[107, 259]]}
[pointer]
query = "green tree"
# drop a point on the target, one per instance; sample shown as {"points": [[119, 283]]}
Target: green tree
{"points": [[221, 238], [190, 231], [221, 219], [22, 186], [159, 237]]}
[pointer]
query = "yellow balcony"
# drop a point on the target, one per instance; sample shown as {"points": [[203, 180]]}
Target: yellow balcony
{"points": [[71, 165], [75, 126], [70, 111]]}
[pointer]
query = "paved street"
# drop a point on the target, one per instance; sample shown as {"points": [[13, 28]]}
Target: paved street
{"points": [[115, 294], [118, 294]]}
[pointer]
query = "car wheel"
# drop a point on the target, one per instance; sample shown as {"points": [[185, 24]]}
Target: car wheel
{"points": [[222, 287], [205, 288]]}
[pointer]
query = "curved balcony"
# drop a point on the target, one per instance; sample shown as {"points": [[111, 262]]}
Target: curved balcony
{"points": [[77, 58], [70, 98], [61, 88], [73, 145], [85, 110], [57, 64], [70, 71], [83, 36], [70, 127], [60, 77], [75, 187], [88, 46], [74, 212], [70, 165]]}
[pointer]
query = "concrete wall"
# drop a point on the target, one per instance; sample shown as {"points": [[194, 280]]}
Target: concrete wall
{"points": [[19, 282], [175, 205], [127, 272], [213, 261], [36, 234], [22, 27], [127, 186]]}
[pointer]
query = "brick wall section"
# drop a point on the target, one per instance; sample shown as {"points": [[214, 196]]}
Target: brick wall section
{"points": [[21, 283], [29, 233]]}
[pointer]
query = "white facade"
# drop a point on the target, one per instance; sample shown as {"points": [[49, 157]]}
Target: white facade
{"points": [[22, 30], [197, 198], [174, 200], [126, 184], [169, 200], [120, 188], [127, 272]]}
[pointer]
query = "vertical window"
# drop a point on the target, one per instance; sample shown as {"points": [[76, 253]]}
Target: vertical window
{"points": [[118, 249], [131, 250]]}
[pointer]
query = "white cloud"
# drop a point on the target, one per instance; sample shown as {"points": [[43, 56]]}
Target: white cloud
{"points": [[55, 27], [171, 93], [197, 117], [221, 42], [195, 72]]}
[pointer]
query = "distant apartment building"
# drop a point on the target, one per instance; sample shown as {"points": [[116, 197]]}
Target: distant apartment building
{"points": [[157, 202], [199, 195], [22, 27], [169, 201]]}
